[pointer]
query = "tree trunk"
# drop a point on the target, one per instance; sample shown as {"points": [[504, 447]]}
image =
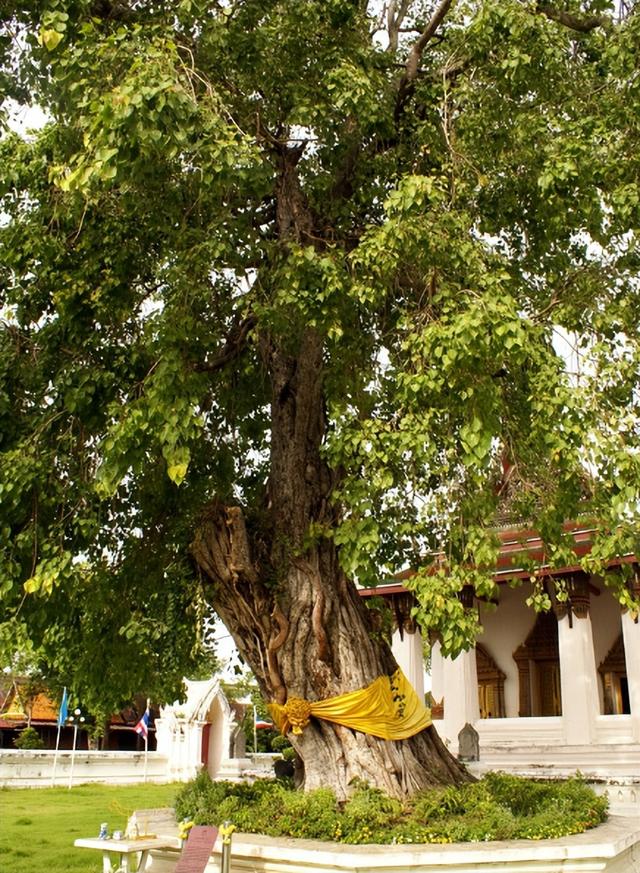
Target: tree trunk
{"points": [[310, 637], [295, 618]]}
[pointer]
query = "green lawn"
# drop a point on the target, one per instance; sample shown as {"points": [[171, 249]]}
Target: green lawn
{"points": [[38, 825]]}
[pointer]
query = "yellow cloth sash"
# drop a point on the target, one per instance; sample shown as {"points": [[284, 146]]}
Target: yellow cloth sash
{"points": [[389, 708]]}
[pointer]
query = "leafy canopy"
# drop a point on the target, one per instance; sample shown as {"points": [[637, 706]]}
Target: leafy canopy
{"points": [[472, 269]]}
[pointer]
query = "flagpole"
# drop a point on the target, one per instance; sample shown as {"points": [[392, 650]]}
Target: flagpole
{"points": [[62, 717], [142, 729], [255, 732], [146, 751], [146, 743], [55, 756], [73, 750], [76, 713]]}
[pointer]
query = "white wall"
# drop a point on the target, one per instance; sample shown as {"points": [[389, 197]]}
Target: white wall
{"points": [[35, 768]]}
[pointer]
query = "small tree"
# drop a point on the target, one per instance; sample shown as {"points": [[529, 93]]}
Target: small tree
{"points": [[29, 738]]}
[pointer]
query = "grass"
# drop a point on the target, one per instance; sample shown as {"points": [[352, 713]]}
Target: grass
{"points": [[38, 825]]}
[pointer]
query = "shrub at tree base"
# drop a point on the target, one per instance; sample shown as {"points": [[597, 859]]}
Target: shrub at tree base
{"points": [[498, 807]]}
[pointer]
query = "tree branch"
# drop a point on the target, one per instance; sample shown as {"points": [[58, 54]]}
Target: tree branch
{"points": [[232, 348], [573, 22], [395, 16], [415, 55]]}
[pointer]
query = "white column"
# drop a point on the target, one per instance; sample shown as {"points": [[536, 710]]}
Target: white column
{"points": [[407, 650], [578, 680], [631, 638], [194, 748], [437, 683], [460, 684]]}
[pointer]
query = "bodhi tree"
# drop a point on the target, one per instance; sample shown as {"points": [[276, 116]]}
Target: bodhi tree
{"points": [[296, 294]]}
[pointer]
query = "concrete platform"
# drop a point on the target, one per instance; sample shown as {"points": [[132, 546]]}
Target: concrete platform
{"points": [[594, 762], [613, 847]]}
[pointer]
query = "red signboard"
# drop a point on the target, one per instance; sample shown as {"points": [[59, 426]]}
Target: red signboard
{"points": [[197, 849]]}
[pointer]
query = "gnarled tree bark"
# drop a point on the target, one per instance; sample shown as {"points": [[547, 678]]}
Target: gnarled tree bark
{"points": [[310, 637]]}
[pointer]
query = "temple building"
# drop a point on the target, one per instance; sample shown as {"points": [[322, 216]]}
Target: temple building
{"points": [[564, 682]]}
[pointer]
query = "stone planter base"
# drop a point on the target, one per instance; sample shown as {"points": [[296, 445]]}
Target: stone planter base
{"points": [[613, 847]]}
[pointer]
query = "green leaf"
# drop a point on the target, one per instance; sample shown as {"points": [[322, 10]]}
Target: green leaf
{"points": [[51, 38]]}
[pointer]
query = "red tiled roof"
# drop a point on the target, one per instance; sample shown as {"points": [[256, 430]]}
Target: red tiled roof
{"points": [[518, 546], [43, 709], [15, 708]]}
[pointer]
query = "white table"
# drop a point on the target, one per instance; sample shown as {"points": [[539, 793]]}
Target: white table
{"points": [[125, 849]]}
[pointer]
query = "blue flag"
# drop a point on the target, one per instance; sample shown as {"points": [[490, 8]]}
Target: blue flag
{"points": [[64, 709]]}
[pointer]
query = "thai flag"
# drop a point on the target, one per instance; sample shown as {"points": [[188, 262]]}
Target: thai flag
{"points": [[142, 727], [260, 722]]}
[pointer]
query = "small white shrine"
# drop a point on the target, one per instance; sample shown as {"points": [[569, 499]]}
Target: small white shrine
{"points": [[203, 732]]}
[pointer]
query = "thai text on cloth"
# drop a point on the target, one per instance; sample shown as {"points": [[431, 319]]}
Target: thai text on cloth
{"points": [[388, 708]]}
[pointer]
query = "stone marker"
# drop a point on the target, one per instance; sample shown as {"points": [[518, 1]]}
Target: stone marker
{"points": [[468, 744], [197, 850]]}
